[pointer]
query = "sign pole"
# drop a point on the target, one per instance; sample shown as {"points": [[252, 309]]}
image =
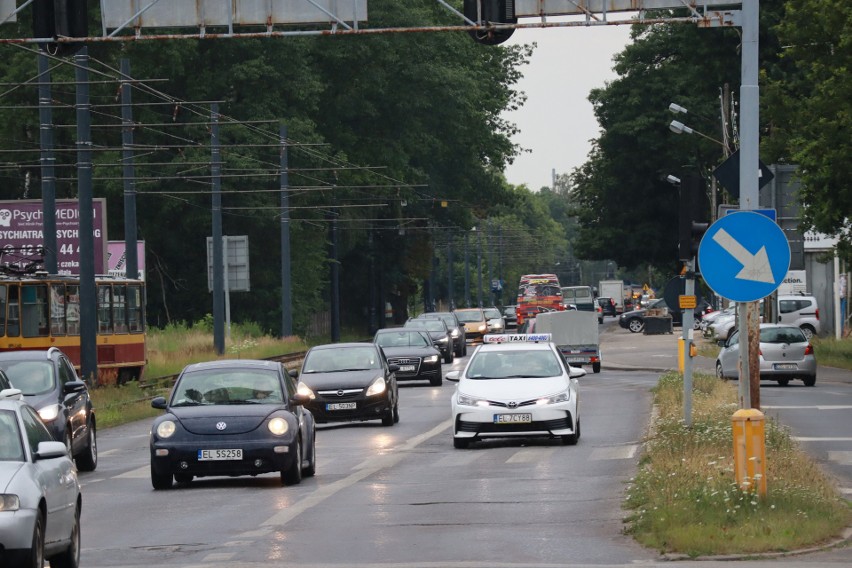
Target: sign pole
{"points": [[688, 321]]}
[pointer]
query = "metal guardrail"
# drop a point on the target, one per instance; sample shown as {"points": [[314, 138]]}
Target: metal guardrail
{"points": [[289, 360]]}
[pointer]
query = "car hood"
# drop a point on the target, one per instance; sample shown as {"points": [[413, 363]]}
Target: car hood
{"points": [[238, 418], [8, 471], [641, 312], [341, 379], [513, 389], [394, 352], [39, 401]]}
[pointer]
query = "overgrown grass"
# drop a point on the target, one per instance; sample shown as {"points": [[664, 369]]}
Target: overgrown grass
{"points": [[833, 352], [685, 499]]}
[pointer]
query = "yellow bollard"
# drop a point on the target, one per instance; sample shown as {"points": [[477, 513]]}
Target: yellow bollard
{"points": [[749, 450]]}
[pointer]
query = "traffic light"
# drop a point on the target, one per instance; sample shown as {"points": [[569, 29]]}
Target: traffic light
{"points": [[491, 11], [692, 216], [60, 18]]}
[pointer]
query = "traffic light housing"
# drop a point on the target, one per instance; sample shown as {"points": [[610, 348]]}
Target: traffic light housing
{"points": [[692, 216], [495, 12], [60, 18]]}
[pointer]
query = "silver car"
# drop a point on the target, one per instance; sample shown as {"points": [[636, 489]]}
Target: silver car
{"points": [[39, 492], [785, 354]]}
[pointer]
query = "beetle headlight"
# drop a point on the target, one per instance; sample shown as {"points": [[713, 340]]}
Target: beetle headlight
{"points": [[555, 399], [9, 502], [278, 426], [466, 400], [49, 413], [378, 387], [166, 428], [430, 359]]}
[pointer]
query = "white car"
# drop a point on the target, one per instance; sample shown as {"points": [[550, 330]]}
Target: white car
{"points": [[39, 492], [516, 386]]}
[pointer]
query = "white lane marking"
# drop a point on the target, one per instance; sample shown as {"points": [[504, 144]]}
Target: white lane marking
{"points": [[614, 453], [139, 473], [219, 557], [827, 439], [811, 407], [108, 453], [843, 458], [531, 455], [378, 464], [846, 490], [458, 459]]}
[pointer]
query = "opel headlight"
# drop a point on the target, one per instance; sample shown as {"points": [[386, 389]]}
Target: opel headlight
{"points": [[378, 387], [9, 502], [466, 400], [165, 429], [443, 339], [305, 390], [278, 426], [430, 359], [455, 332], [555, 399], [49, 413]]}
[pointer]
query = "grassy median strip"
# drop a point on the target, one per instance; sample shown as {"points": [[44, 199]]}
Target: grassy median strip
{"points": [[684, 498]]}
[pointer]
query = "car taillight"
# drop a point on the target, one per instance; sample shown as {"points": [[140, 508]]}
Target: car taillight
{"points": [[809, 350], [817, 314]]}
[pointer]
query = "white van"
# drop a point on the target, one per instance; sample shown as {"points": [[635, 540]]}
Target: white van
{"points": [[801, 311]]}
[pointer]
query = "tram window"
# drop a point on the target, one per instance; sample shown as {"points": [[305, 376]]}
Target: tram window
{"points": [[34, 310], [3, 304], [13, 322], [72, 309], [119, 308], [104, 309], [57, 309], [135, 316]]}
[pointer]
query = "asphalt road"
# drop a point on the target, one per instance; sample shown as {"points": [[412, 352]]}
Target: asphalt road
{"points": [[402, 496]]}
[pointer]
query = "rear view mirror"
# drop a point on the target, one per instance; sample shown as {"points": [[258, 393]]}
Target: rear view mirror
{"points": [[576, 372]]}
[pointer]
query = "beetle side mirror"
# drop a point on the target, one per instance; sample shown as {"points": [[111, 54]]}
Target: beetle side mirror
{"points": [[159, 403]]}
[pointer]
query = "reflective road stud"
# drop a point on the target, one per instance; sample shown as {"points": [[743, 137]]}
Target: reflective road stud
{"points": [[749, 450]]}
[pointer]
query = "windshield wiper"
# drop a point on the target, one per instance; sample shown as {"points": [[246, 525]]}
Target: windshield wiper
{"points": [[188, 403]]}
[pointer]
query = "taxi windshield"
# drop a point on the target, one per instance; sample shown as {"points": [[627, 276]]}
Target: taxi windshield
{"points": [[514, 364]]}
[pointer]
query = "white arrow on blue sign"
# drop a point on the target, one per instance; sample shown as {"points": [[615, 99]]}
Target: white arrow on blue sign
{"points": [[744, 256]]}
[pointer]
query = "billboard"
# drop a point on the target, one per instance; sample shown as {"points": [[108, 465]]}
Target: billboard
{"points": [[117, 259], [22, 233]]}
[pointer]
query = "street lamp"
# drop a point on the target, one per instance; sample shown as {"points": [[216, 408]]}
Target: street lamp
{"points": [[680, 128]]}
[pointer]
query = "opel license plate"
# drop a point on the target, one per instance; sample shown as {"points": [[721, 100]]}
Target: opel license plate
{"points": [[340, 406], [220, 455], [524, 418]]}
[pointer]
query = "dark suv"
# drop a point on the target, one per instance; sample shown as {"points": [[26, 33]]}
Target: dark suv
{"points": [[607, 306], [50, 384]]}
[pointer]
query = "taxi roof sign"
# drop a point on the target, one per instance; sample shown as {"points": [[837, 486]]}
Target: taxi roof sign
{"points": [[517, 338]]}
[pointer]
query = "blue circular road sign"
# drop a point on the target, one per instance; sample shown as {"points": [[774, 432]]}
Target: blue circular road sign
{"points": [[744, 256]]}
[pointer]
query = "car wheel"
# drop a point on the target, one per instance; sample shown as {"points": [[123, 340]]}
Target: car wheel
{"points": [[572, 439], [437, 381], [783, 382], [809, 381], [696, 324], [36, 556], [808, 331], [596, 367], [387, 417], [635, 325], [87, 460], [68, 442], [448, 358], [464, 349], [160, 480], [719, 374], [293, 474], [183, 477], [70, 557], [311, 470], [396, 412], [461, 443]]}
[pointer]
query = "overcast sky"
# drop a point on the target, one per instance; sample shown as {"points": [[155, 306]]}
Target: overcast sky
{"points": [[557, 121]]}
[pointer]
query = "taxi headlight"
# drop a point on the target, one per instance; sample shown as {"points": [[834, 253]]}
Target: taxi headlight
{"points": [[482, 327], [430, 359], [466, 400], [278, 426], [49, 412], [555, 399], [378, 387], [166, 428], [305, 390]]}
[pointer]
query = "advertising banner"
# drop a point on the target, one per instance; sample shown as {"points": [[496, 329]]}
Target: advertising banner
{"points": [[22, 226], [117, 259]]}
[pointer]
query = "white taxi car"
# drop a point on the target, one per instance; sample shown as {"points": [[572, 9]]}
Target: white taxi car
{"points": [[516, 386]]}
